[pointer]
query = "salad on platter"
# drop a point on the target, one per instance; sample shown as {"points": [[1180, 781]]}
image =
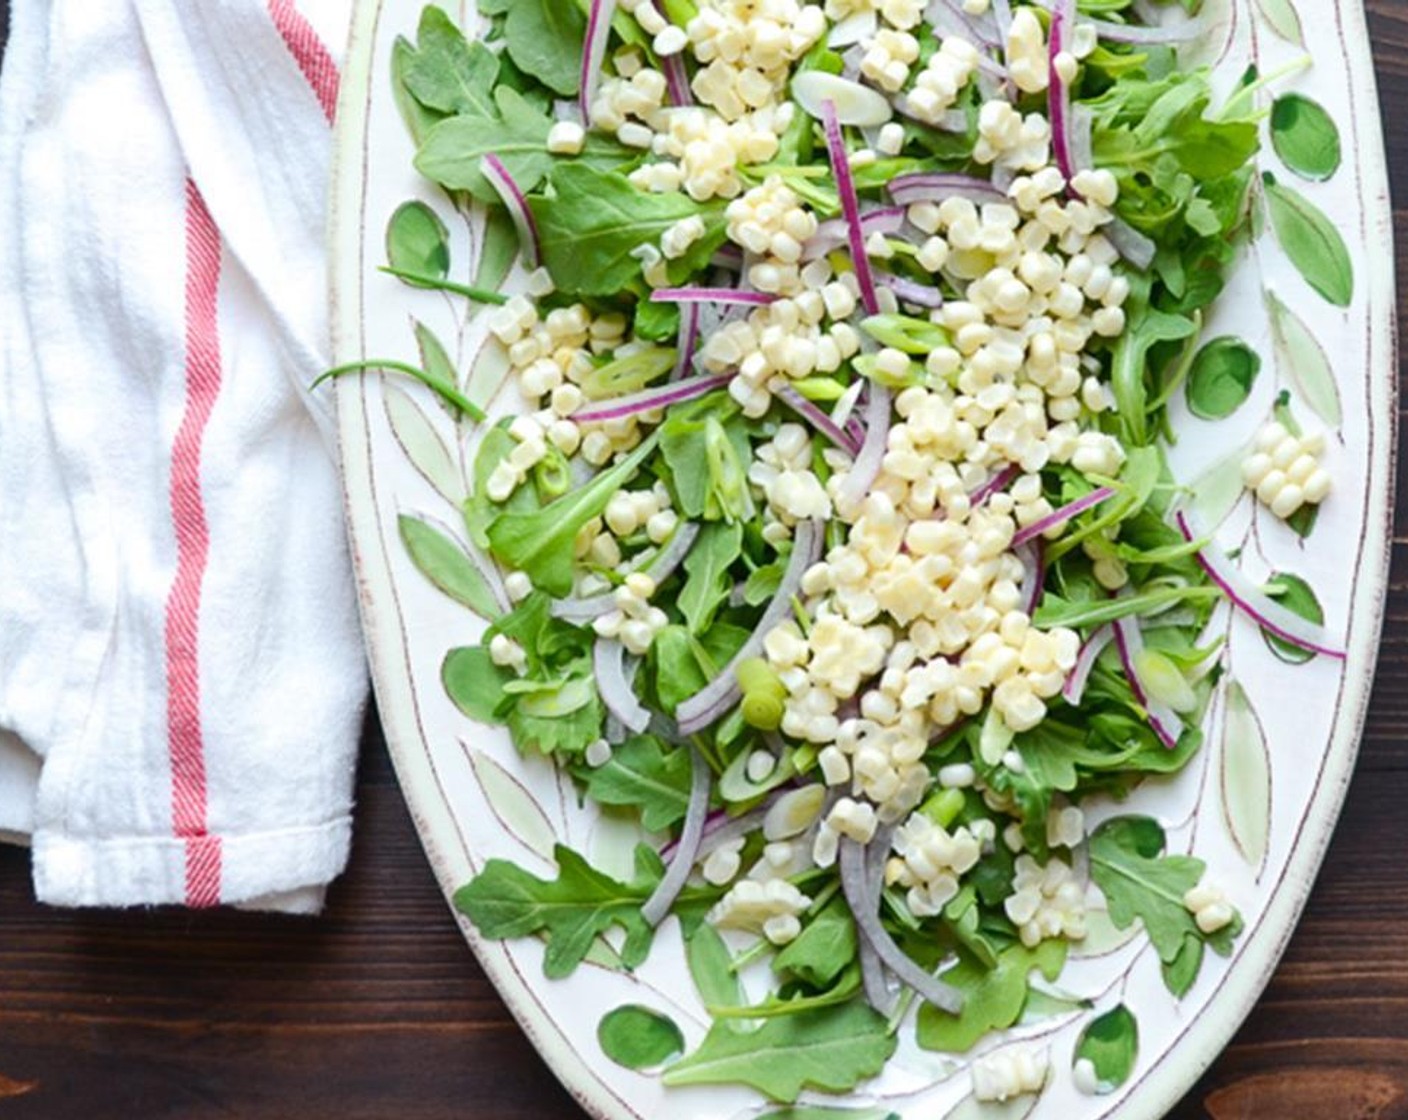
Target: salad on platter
{"points": [[830, 534]]}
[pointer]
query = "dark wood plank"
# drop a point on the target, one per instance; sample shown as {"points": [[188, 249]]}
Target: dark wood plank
{"points": [[378, 1010]]}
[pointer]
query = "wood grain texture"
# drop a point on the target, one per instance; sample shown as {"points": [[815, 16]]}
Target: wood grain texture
{"points": [[378, 1010]]}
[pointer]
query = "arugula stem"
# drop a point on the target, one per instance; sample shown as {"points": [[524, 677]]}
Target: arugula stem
{"points": [[436, 284], [442, 387]]}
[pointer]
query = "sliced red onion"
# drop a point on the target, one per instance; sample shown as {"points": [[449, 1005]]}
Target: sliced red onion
{"points": [[850, 205], [676, 74], [865, 908], [594, 52], [1167, 723], [661, 567], [1058, 94], [921, 295], [844, 412], [1033, 561], [866, 468], [1270, 615], [995, 485], [1062, 515], [493, 169], [1082, 134], [662, 396], [1129, 243], [609, 667], [855, 428], [722, 693], [834, 233], [687, 851], [727, 256], [873, 981], [687, 340], [813, 414], [1002, 18], [1154, 34], [720, 828], [1090, 652], [906, 190], [950, 16], [711, 295]]}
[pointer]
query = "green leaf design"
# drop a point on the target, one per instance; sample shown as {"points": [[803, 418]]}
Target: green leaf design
{"points": [[1301, 357], [1300, 598], [1305, 136], [417, 241], [638, 1038], [1223, 374], [474, 683], [1246, 776], [1102, 936], [513, 805], [805, 1112], [1218, 489], [422, 443], [488, 371], [1311, 241], [497, 250], [443, 561], [1282, 17], [505, 901], [1111, 1044], [831, 1049]]}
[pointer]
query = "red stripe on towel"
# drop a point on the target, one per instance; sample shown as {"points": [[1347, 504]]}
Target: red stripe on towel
{"points": [[308, 51], [185, 739]]}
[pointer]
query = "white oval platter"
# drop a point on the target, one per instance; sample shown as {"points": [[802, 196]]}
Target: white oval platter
{"points": [[1258, 804]]}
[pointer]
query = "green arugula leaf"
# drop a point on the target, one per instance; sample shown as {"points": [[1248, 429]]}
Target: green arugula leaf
{"points": [[824, 949], [517, 133], [711, 967], [644, 774], [993, 998], [1139, 881], [719, 546], [544, 39], [596, 219], [832, 1049], [446, 564], [540, 542], [505, 901], [417, 118], [446, 72], [675, 668]]}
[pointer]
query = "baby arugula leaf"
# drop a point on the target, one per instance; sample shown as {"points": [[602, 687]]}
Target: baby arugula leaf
{"points": [[993, 998], [447, 73], [544, 38], [475, 683], [822, 951], [515, 131], [831, 1049], [1139, 881], [574, 909], [540, 542], [644, 774], [707, 587], [596, 219]]}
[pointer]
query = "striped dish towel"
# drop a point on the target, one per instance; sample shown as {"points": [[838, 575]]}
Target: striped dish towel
{"points": [[181, 674]]}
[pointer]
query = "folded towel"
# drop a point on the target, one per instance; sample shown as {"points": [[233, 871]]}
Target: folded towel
{"points": [[180, 662]]}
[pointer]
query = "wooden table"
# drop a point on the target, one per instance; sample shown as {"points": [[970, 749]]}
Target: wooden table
{"points": [[378, 1010]]}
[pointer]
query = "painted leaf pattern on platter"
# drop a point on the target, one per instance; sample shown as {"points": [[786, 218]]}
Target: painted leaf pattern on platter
{"points": [[1301, 357], [422, 443], [1246, 777], [513, 805], [1281, 16]]}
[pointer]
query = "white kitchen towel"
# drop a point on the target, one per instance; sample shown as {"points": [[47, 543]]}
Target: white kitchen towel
{"points": [[179, 657]]}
